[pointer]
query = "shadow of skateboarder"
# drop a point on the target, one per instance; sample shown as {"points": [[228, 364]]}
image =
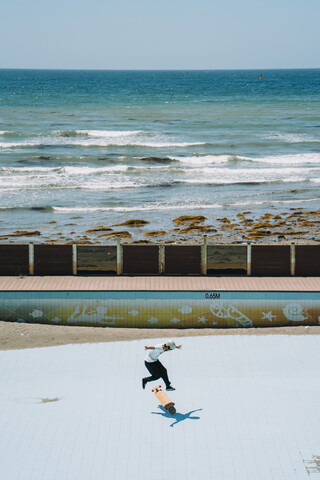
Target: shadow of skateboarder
{"points": [[179, 417]]}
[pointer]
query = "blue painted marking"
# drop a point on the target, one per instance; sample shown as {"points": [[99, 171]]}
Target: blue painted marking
{"points": [[156, 295]]}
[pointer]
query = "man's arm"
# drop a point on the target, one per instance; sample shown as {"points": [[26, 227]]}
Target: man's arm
{"points": [[149, 348], [179, 346]]}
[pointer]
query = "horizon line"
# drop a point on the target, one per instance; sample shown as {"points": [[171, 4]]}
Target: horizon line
{"points": [[157, 69]]}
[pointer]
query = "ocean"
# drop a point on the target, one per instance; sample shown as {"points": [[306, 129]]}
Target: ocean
{"points": [[86, 149]]}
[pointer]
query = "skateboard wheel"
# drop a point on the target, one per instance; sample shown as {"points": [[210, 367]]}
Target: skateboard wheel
{"points": [[152, 390], [173, 404], [166, 409], [159, 386]]}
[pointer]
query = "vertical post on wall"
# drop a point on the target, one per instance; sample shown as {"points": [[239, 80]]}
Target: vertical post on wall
{"points": [[119, 256], [248, 258], [162, 266], [74, 259], [292, 259], [31, 259], [204, 256]]}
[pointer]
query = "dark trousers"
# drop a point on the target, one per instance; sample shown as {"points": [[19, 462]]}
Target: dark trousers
{"points": [[157, 370]]}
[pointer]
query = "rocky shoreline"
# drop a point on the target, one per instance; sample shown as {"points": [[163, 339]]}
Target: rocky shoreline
{"points": [[294, 225]]}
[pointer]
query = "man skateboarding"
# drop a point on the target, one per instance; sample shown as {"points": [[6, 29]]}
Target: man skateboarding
{"points": [[155, 367]]}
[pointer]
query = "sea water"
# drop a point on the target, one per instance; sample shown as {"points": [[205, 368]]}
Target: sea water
{"points": [[109, 146]]}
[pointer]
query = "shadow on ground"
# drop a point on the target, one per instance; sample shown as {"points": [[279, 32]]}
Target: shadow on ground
{"points": [[179, 417]]}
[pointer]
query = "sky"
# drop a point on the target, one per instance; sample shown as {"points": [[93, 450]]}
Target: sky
{"points": [[168, 34]]}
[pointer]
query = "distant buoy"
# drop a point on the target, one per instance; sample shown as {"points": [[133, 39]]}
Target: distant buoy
{"points": [[261, 77]]}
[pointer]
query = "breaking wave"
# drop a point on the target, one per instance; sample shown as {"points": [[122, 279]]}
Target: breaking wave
{"points": [[100, 138]]}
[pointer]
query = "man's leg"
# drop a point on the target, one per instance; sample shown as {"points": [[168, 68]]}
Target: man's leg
{"points": [[157, 370], [153, 368], [164, 374]]}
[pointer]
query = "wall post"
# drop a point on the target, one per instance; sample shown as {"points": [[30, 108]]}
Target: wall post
{"points": [[31, 259], [119, 256], [292, 259], [162, 266], [248, 258], [74, 259], [204, 256]]}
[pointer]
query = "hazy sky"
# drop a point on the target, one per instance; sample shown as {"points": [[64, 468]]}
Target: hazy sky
{"points": [[168, 34]]}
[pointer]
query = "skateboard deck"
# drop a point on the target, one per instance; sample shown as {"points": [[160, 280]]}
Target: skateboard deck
{"points": [[164, 399]]}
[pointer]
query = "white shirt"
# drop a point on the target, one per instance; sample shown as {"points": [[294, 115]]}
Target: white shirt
{"points": [[152, 355]]}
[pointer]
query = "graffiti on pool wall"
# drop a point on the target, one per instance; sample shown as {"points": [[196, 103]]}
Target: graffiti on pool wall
{"points": [[88, 313], [268, 316], [162, 313], [230, 312], [295, 312]]}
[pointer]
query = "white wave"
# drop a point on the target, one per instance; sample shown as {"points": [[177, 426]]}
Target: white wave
{"points": [[94, 170], [155, 141], [216, 175], [9, 145], [232, 181], [42, 182], [203, 160], [256, 202], [137, 208], [110, 133], [292, 138], [79, 209], [297, 159], [9, 189], [184, 206], [125, 176], [23, 170], [110, 186], [43, 187], [65, 170], [294, 179], [134, 142]]}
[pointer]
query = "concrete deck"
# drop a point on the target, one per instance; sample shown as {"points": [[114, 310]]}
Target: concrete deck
{"points": [[123, 283], [247, 408]]}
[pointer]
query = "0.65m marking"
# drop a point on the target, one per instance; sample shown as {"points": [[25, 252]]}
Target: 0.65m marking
{"points": [[212, 295]]}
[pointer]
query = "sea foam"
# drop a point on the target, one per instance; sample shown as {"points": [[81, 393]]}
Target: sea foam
{"points": [[300, 158], [100, 138]]}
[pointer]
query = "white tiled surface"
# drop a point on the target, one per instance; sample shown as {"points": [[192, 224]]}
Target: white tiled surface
{"points": [[255, 403]]}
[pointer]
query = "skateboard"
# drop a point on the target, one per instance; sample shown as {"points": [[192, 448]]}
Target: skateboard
{"points": [[164, 399]]}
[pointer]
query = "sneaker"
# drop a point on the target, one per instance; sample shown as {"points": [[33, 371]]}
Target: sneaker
{"points": [[144, 383], [170, 388]]}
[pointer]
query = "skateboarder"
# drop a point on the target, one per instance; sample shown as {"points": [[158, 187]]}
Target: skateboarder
{"points": [[155, 367]]}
